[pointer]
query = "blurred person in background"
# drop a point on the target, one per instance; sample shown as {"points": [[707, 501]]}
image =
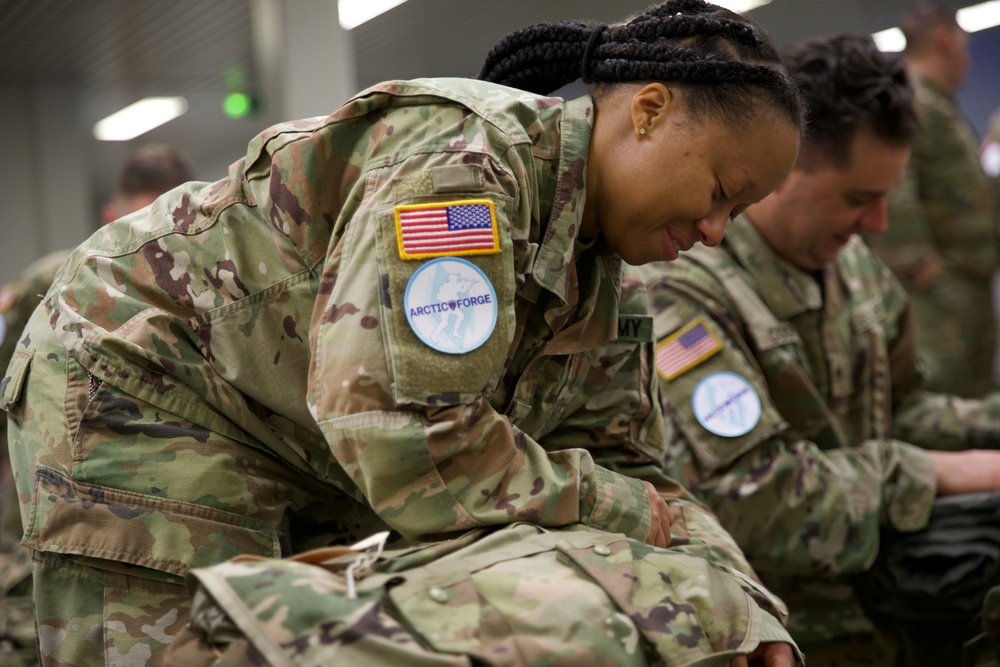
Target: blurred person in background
{"points": [[149, 171], [942, 237], [989, 152]]}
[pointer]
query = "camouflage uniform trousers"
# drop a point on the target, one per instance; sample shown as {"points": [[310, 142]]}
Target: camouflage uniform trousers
{"points": [[514, 596], [955, 336], [109, 558], [17, 629]]}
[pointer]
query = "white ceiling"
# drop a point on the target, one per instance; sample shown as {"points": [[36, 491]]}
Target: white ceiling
{"points": [[109, 53]]}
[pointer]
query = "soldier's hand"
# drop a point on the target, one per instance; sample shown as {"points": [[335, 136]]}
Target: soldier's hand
{"points": [[772, 654], [970, 471], [659, 530]]}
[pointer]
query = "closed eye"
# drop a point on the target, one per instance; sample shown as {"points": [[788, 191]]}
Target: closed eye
{"points": [[721, 193]]}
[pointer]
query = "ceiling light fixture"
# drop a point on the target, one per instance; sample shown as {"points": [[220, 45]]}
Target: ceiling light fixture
{"points": [[979, 17], [355, 12], [890, 40], [139, 118]]}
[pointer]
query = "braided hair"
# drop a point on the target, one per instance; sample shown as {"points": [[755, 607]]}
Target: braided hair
{"points": [[725, 62]]}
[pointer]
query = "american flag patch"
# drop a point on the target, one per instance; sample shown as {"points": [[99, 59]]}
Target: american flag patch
{"points": [[686, 349], [447, 228]]}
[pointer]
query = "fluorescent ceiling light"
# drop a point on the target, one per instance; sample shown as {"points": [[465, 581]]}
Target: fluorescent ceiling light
{"points": [[979, 17], [139, 118], [355, 12], [741, 6], [890, 40]]}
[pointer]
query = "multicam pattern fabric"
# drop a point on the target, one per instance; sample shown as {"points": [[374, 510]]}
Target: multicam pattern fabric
{"points": [[946, 206], [18, 300], [832, 358], [517, 596], [232, 372]]}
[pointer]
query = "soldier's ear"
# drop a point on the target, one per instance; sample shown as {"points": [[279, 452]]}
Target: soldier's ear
{"points": [[651, 106]]}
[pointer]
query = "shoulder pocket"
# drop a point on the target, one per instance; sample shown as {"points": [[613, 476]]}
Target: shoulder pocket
{"points": [[448, 319], [722, 405]]}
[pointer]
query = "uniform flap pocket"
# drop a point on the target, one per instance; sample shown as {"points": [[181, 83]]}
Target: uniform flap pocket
{"points": [[684, 607], [10, 386], [71, 517]]}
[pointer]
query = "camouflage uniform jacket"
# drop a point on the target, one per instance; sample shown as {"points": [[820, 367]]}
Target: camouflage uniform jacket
{"points": [[946, 206], [270, 308], [18, 299], [832, 360]]}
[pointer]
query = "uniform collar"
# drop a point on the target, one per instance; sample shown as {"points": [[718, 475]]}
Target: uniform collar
{"points": [[556, 250], [786, 289], [584, 275], [931, 87]]}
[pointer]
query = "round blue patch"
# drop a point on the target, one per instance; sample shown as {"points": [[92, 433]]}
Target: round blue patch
{"points": [[451, 305], [725, 404]]}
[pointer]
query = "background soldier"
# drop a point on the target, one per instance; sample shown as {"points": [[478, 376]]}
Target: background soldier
{"points": [[942, 237], [149, 171]]}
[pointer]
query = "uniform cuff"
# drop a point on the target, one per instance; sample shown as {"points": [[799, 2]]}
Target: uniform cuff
{"points": [[910, 497], [771, 631], [616, 504]]}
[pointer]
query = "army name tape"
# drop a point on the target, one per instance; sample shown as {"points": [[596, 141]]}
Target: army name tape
{"points": [[451, 305]]}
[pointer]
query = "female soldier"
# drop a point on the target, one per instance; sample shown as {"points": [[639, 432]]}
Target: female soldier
{"points": [[255, 365]]}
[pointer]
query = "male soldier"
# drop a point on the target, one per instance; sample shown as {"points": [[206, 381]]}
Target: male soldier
{"points": [[942, 238], [788, 362], [149, 171]]}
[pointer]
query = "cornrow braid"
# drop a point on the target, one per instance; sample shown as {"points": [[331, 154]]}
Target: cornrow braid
{"points": [[725, 62]]}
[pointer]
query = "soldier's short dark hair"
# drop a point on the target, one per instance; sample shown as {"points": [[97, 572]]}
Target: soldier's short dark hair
{"points": [[919, 23], [847, 84], [154, 168]]}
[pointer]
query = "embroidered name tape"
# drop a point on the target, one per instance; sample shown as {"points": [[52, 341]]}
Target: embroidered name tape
{"points": [[725, 404], [467, 227], [686, 349], [451, 305]]}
